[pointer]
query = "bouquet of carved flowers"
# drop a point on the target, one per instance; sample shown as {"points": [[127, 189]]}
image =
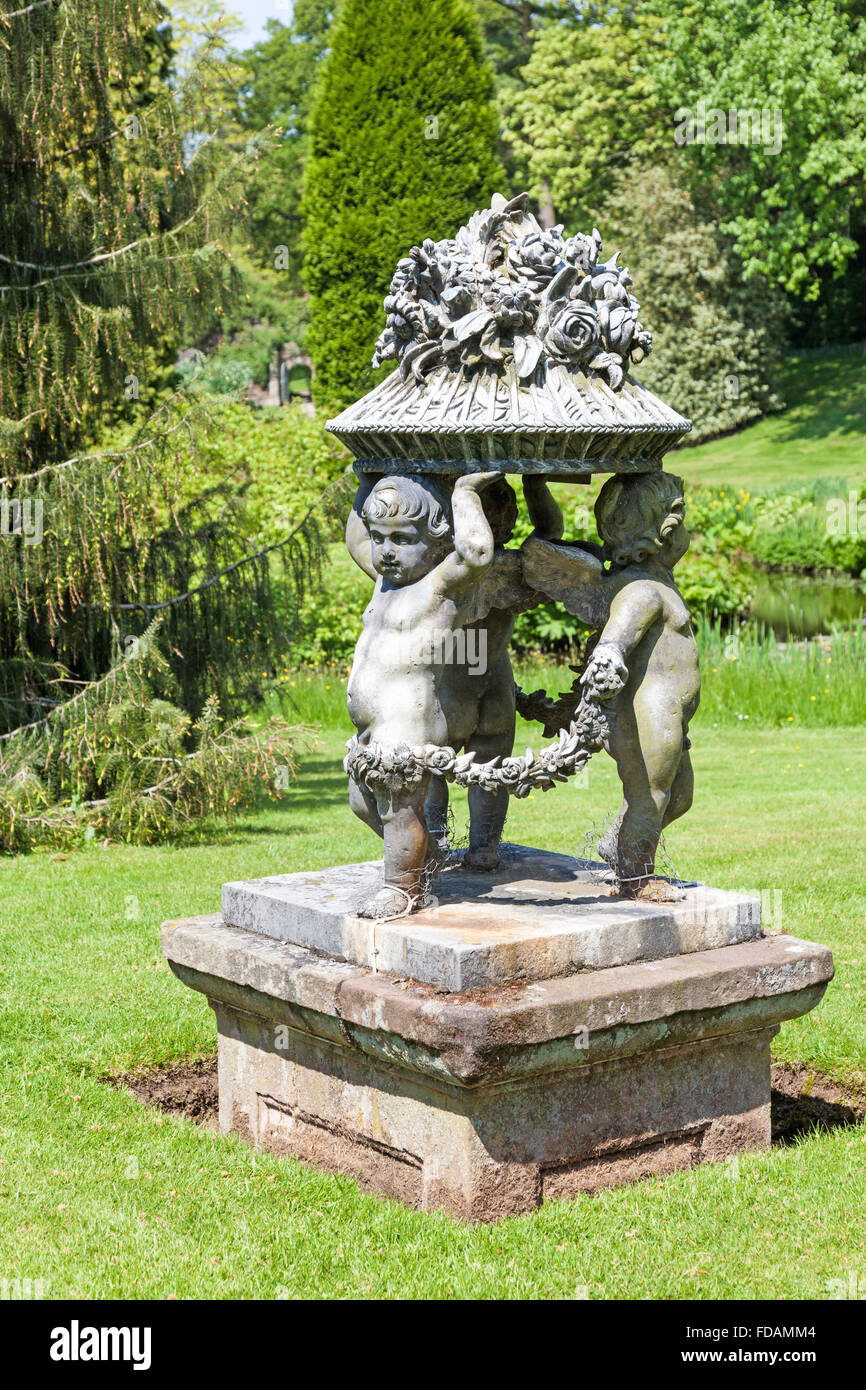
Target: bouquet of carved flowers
{"points": [[508, 291]]}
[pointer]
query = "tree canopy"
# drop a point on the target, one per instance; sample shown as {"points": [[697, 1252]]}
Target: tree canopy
{"points": [[787, 195], [277, 91], [586, 109]]}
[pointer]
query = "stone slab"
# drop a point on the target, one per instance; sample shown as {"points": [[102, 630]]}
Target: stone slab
{"points": [[501, 1151], [542, 915], [488, 1036], [488, 1103]]}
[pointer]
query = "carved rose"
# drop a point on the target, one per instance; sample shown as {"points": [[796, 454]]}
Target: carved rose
{"points": [[535, 260], [583, 251], [621, 332], [440, 760], [511, 770], [573, 332]]}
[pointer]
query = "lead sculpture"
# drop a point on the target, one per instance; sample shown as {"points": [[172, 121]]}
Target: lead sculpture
{"points": [[519, 340], [534, 1033]]}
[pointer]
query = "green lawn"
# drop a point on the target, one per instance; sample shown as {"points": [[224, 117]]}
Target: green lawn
{"points": [[105, 1198], [822, 433]]}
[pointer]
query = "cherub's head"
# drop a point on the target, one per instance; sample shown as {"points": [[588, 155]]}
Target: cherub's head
{"points": [[409, 525], [640, 518]]}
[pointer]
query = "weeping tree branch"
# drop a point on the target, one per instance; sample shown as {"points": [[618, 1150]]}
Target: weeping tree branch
{"points": [[37, 5], [92, 763], [336, 493]]}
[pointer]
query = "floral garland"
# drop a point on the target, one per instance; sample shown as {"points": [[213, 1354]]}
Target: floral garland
{"points": [[391, 770]]}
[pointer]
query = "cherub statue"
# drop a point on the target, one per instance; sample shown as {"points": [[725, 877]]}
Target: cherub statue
{"points": [[479, 704], [644, 665], [427, 559]]}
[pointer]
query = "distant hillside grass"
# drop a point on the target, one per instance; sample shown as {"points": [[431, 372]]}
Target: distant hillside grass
{"points": [[821, 433]]}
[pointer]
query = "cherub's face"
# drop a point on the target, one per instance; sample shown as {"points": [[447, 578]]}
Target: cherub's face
{"points": [[401, 550]]}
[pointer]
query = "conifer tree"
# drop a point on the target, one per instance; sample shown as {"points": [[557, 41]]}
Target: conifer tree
{"points": [[118, 201], [402, 146]]}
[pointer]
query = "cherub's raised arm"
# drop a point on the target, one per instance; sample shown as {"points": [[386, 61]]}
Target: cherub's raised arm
{"points": [[632, 612], [357, 536], [544, 511], [473, 538]]}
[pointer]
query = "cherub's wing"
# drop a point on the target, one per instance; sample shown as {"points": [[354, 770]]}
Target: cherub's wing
{"points": [[566, 571], [501, 586]]}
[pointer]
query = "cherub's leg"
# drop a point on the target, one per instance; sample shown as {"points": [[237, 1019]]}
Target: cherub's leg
{"points": [[682, 790], [493, 738], [405, 836], [647, 743], [487, 813], [487, 810], [363, 803], [436, 813]]}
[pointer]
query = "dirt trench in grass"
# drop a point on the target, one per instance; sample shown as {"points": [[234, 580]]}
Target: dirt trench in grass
{"points": [[802, 1100]]}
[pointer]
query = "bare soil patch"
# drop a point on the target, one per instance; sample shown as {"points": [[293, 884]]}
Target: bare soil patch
{"points": [[802, 1099], [188, 1089]]}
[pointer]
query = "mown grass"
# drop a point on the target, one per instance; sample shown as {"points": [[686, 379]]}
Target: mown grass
{"points": [[104, 1198], [821, 433]]}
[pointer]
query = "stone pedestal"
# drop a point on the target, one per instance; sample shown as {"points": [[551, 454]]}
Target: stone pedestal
{"points": [[478, 1093]]}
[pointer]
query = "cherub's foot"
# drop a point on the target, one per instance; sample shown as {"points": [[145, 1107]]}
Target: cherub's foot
{"points": [[652, 890], [485, 859], [389, 901]]}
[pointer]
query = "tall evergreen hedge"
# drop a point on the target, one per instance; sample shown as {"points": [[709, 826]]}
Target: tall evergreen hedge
{"points": [[402, 147]]}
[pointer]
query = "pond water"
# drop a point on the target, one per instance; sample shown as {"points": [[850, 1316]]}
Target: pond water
{"points": [[803, 607]]}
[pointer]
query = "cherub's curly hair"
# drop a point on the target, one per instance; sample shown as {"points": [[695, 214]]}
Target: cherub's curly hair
{"points": [[411, 500], [636, 514]]}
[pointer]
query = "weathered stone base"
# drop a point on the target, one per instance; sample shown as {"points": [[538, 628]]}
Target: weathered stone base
{"points": [[487, 1104], [539, 915], [493, 1151]]}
